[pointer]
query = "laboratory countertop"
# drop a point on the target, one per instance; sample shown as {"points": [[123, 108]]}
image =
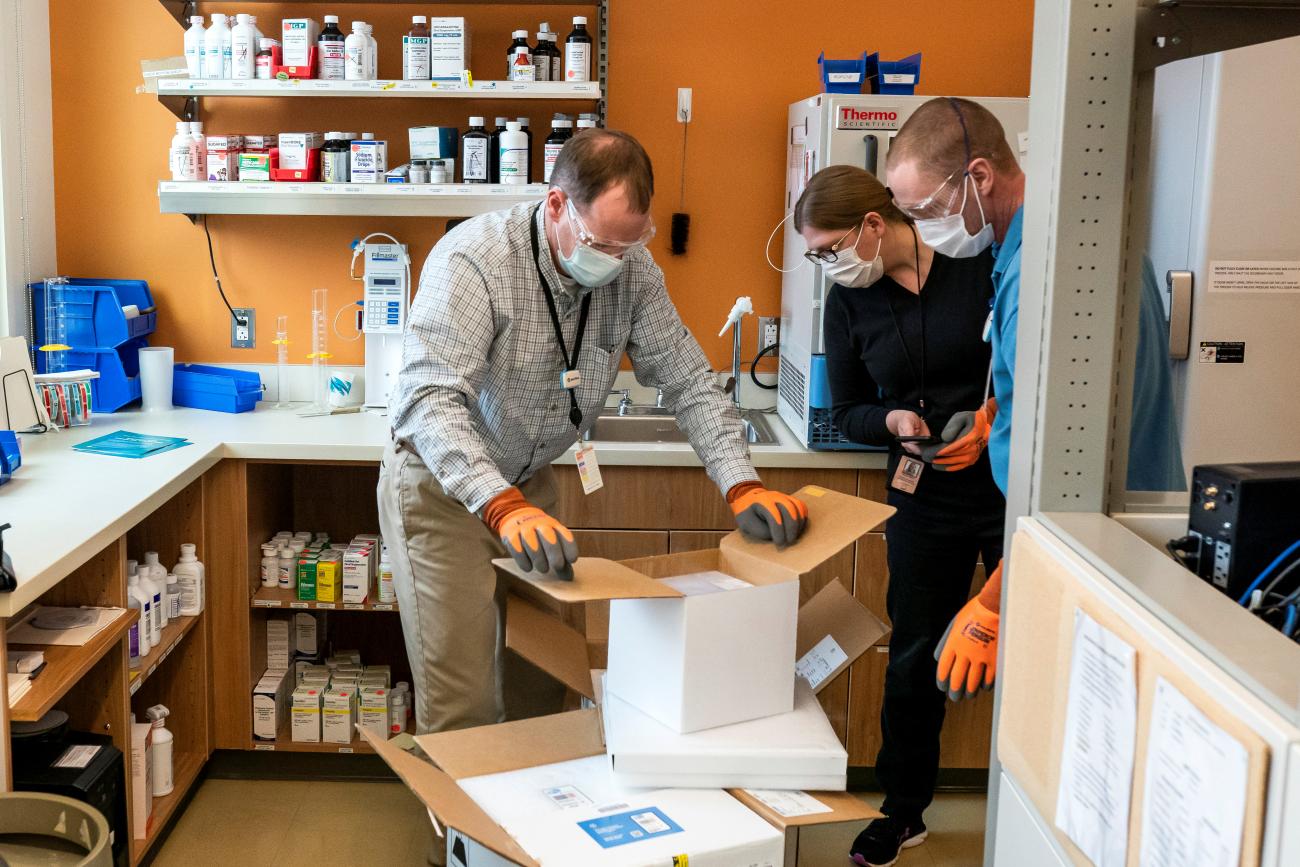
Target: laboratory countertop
{"points": [[66, 506]]}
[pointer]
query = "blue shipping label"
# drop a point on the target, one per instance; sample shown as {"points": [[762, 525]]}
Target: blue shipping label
{"points": [[633, 826]]}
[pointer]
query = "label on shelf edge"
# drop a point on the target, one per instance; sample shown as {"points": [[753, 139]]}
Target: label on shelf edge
{"points": [[327, 606], [299, 605], [345, 749], [270, 748], [354, 606], [382, 606], [267, 603]]}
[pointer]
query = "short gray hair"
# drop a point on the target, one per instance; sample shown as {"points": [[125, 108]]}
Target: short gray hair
{"points": [[596, 160]]}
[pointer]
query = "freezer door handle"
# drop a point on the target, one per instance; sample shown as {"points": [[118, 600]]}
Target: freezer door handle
{"points": [[1179, 284], [873, 153]]}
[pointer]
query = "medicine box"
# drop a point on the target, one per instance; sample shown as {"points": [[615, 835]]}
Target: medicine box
{"points": [[720, 650], [259, 143], [297, 37], [255, 167], [348, 656], [141, 779], [306, 713], [296, 147], [374, 706], [228, 143], [270, 703], [433, 142], [278, 647], [357, 565], [380, 671], [338, 715], [328, 580], [223, 166], [448, 48], [306, 569], [369, 161], [306, 631]]}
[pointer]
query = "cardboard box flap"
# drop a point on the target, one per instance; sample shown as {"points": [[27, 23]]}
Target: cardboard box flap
{"points": [[834, 630], [844, 807], [835, 521], [510, 746], [440, 793], [557, 649], [594, 579]]}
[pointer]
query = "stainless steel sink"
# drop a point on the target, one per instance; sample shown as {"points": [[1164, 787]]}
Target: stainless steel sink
{"points": [[659, 428]]}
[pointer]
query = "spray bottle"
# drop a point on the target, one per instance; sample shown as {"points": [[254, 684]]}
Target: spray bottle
{"points": [[162, 750]]}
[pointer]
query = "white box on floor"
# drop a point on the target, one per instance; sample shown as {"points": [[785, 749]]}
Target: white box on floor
{"points": [[795, 750], [693, 659], [141, 779]]}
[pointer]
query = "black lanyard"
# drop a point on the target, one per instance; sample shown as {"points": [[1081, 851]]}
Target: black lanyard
{"points": [[919, 379], [570, 361]]}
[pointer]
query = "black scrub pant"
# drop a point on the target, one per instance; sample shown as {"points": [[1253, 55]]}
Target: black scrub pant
{"points": [[932, 555]]}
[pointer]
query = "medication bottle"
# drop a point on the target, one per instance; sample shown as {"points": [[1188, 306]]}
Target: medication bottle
{"points": [[577, 52], [522, 69], [373, 54], [157, 573], [271, 559], [386, 591], [264, 63], [162, 750], [438, 172], [494, 151], [335, 160], [189, 574], [213, 39], [410, 698], [474, 152], [542, 54], [357, 53], [181, 155], [396, 713], [243, 45], [285, 573], [528, 151], [561, 132], [586, 121], [194, 47], [142, 602], [331, 57], [200, 150], [415, 50], [133, 634], [173, 597], [513, 155], [520, 40]]}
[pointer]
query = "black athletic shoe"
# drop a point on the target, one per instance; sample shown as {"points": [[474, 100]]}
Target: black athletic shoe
{"points": [[880, 842]]}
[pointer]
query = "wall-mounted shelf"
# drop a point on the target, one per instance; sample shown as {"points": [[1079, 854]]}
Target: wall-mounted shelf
{"points": [[182, 9], [348, 200], [553, 90], [276, 597]]}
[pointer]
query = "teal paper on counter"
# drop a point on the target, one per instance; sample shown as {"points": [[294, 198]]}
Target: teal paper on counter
{"points": [[127, 444]]}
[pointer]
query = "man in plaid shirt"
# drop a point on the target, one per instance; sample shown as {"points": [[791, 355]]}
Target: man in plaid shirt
{"points": [[511, 348]]}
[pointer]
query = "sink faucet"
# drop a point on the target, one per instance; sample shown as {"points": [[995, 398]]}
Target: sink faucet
{"points": [[625, 402], [742, 307]]}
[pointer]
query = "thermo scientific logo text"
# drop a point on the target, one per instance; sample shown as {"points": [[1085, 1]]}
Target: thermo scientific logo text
{"points": [[851, 117]]}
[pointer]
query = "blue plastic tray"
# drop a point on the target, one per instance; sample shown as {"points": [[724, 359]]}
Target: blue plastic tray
{"points": [[119, 373], [204, 386], [92, 310], [848, 76], [900, 77]]}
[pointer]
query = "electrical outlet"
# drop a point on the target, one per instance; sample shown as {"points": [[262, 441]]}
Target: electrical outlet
{"points": [[769, 331], [243, 336]]}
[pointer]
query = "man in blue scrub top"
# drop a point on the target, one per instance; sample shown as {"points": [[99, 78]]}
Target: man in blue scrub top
{"points": [[950, 169]]}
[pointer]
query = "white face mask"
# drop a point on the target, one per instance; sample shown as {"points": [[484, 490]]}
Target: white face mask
{"points": [[849, 269], [948, 234]]}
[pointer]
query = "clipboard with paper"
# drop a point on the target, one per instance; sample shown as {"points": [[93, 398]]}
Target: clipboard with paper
{"points": [[21, 409]]}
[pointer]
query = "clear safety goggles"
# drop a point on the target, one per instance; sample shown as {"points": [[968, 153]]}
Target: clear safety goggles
{"points": [[605, 245], [832, 253], [940, 203]]}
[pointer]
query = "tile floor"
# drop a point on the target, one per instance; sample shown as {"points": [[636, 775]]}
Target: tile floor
{"points": [[297, 824]]}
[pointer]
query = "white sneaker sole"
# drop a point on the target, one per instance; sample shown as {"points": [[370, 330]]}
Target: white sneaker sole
{"points": [[906, 844]]}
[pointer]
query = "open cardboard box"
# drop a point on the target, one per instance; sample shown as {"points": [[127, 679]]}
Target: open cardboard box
{"points": [[694, 662], [715, 829]]}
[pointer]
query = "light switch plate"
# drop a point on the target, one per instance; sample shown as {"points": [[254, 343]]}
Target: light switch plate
{"points": [[243, 336]]}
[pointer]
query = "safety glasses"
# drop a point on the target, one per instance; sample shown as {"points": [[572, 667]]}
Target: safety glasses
{"points": [[605, 245], [827, 256], [938, 204]]}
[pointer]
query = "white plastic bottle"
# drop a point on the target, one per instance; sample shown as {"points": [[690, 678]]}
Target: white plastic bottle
{"points": [[513, 154], [155, 592], [356, 51], [386, 592], [227, 51], [285, 573], [189, 574], [252, 19], [162, 750], [200, 145], [136, 592], [181, 156], [373, 54], [133, 634], [396, 713], [213, 39], [194, 47], [243, 46], [157, 573], [173, 597], [270, 566], [410, 698]]}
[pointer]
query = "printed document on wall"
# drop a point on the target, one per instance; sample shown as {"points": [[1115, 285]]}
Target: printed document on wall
{"points": [[1194, 803], [1092, 803]]}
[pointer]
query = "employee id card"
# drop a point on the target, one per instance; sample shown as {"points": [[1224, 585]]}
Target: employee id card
{"points": [[589, 470], [908, 475]]}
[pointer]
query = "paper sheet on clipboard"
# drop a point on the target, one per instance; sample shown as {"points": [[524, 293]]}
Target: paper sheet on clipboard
{"points": [[20, 407]]}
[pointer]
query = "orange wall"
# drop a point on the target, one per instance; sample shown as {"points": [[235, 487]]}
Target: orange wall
{"points": [[746, 60]]}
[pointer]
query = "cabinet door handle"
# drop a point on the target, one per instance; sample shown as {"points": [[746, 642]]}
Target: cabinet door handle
{"points": [[1179, 284]]}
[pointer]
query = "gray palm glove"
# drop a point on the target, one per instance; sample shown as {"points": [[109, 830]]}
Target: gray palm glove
{"points": [[964, 438]]}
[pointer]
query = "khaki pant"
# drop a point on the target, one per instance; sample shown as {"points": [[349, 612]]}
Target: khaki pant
{"points": [[452, 619]]}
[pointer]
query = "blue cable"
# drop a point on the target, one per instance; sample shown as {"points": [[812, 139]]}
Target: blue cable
{"points": [[1281, 558], [1288, 625]]}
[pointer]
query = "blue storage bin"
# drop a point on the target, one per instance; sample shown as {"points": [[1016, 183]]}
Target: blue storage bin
{"points": [[900, 77], [848, 76], [93, 311], [204, 386], [119, 373], [11, 456]]}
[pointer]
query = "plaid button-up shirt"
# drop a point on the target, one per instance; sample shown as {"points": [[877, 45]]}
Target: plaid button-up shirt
{"points": [[479, 395]]}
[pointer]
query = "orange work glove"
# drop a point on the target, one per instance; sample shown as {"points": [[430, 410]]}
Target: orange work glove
{"points": [[767, 515], [964, 438], [968, 652], [535, 539]]}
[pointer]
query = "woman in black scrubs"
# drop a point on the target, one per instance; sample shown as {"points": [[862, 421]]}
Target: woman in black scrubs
{"points": [[905, 351]]}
